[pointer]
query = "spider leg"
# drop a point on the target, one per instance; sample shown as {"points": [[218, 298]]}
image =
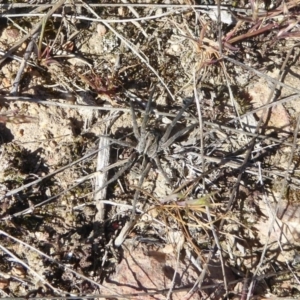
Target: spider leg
{"points": [[129, 225], [118, 142], [159, 167], [145, 172], [142, 141], [127, 165], [175, 120], [147, 111], [134, 123], [178, 134]]}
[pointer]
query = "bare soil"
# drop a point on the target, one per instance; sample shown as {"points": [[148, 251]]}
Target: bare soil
{"points": [[217, 215]]}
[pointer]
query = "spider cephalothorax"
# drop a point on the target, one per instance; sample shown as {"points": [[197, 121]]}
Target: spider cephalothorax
{"points": [[149, 145]]}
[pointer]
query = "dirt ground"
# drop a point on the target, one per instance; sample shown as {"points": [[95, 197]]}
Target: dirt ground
{"points": [[148, 151]]}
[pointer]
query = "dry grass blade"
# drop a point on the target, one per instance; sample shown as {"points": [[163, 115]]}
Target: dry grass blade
{"points": [[274, 217], [51, 259], [164, 114], [33, 31], [12, 192], [134, 50], [22, 263], [260, 74], [189, 172]]}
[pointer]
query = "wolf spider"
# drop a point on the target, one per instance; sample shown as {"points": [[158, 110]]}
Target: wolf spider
{"points": [[148, 144]]}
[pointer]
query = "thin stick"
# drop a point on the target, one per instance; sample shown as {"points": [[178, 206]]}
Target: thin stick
{"points": [[101, 179], [260, 74], [158, 113], [14, 90], [21, 262], [64, 267], [135, 23], [19, 189], [273, 215], [201, 128], [141, 5], [84, 18], [270, 99]]}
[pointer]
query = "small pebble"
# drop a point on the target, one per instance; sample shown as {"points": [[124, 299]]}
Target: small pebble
{"points": [[101, 29]]}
